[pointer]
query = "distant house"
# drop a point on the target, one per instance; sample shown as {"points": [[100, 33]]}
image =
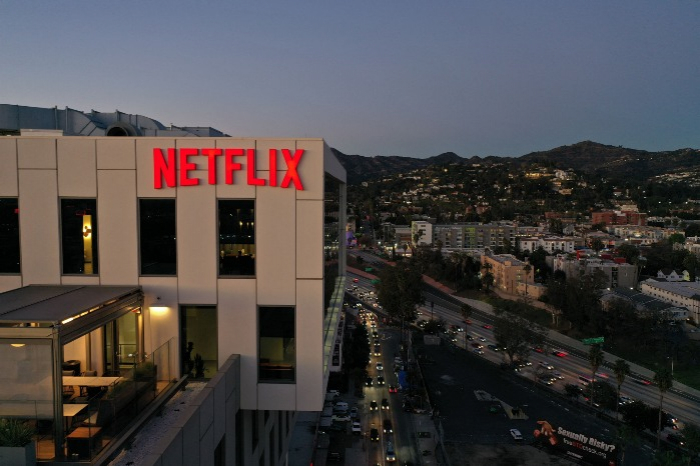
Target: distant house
{"points": [[671, 275]]}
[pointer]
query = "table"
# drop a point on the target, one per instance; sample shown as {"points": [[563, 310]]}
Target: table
{"points": [[70, 410], [90, 381]]}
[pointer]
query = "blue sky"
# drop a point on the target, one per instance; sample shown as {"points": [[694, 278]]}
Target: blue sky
{"points": [[408, 78]]}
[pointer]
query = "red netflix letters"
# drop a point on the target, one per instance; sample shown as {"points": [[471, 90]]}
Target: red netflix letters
{"points": [[165, 166]]}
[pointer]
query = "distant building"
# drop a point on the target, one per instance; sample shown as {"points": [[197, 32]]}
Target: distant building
{"points": [[618, 274], [683, 294], [619, 217], [475, 235], [551, 244], [421, 233], [508, 272]]}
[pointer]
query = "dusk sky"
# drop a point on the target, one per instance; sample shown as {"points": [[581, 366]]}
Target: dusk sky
{"points": [[408, 78]]}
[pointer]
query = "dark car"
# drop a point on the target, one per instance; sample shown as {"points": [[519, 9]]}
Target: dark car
{"points": [[374, 435], [385, 404], [387, 426], [373, 406], [380, 380], [393, 389], [368, 382]]}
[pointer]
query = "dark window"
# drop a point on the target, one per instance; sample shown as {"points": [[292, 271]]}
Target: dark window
{"points": [[199, 343], [236, 237], [240, 438], [157, 236], [277, 345], [9, 236], [79, 236]]}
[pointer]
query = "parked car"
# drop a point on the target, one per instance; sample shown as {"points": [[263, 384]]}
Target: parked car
{"points": [[340, 418], [515, 433], [356, 427]]}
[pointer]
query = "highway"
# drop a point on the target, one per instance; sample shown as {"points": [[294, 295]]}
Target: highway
{"points": [[682, 405]]}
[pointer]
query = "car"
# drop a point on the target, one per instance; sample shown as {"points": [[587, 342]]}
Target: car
{"points": [[356, 427], [515, 433], [537, 349], [377, 350], [340, 418], [373, 406], [390, 454], [387, 426], [482, 339], [546, 365], [676, 439], [487, 326], [557, 375], [494, 347], [478, 351], [470, 338], [559, 354], [374, 435], [380, 380], [477, 345], [354, 412], [642, 382], [355, 280], [385, 404], [546, 380], [369, 382], [393, 389], [380, 366], [468, 321]]}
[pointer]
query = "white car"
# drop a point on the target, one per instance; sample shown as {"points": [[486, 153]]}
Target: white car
{"points": [[515, 433], [546, 365], [356, 427], [340, 418]]}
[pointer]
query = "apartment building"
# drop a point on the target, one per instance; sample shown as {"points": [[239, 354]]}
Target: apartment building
{"points": [[508, 272], [682, 294], [551, 244], [475, 235]]}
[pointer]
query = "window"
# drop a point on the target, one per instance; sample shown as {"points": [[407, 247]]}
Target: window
{"points": [[9, 236], [79, 236], [199, 343], [236, 237], [157, 238], [277, 344]]}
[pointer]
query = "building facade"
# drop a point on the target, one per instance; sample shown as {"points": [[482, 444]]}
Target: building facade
{"points": [[508, 272], [223, 238], [475, 235], [681, 294]]}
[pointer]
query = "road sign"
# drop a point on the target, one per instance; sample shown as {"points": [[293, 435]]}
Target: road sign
{"points": [[593, 341]]}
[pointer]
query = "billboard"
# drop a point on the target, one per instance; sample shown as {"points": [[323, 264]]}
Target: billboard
{"points": [[573, 443]]}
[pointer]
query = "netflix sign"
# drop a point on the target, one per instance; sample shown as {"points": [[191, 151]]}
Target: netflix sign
{"points": [[166, 163]]}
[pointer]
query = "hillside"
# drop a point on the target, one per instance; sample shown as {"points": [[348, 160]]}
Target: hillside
{"points": [[603, 160]]}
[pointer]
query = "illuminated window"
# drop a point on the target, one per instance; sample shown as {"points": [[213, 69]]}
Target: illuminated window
{"points": [[79, 236], [236, 237]]}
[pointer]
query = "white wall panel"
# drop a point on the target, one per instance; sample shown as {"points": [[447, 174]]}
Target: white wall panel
{"points": [[162, 326], [39, 230], [309, 334], [144, 166], [309, 223], [77, 176], [238, 332], [36, 153], [9, 282], [277, 397], [8, 167], [263, 147], [80, 280], [117, 227], [116, 153], [275, 231], [197, 244], [311, 169]]}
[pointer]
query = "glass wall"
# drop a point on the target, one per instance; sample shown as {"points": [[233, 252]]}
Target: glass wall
{"points": [[199, 344], [277, 344], [79, 236], [236, 237], [331, 237], [157, 237], [9, 236], [26, 382]]}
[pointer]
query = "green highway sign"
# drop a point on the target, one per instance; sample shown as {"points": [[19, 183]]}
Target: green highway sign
{"points": [[593, 341]]}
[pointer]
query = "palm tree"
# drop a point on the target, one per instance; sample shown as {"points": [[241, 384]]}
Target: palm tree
{"points": [[622, 370], [595, 358], [664, 381], [626, 436]]}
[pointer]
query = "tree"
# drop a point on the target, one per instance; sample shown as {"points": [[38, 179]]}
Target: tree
{"points": [[621, 370], [597, 245], [516, 334], [435, 326], [399, 291], [527, 268], [664, 381], [691, 435], [604, 394], [667, 458], [628, 251], [487, 280], [677, 238], [626, 436], [595, 358]]}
